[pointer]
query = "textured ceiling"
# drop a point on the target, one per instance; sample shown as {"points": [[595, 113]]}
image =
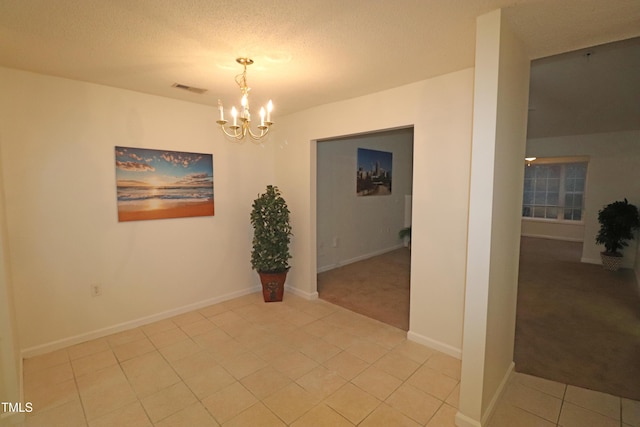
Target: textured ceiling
{"points": [[306, 52]]}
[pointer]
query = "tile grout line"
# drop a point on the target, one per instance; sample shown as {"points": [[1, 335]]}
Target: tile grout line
{"points": [[621, 420], [365, 336], [564, 394], [127, 378], [75, 381], [182, 380]]}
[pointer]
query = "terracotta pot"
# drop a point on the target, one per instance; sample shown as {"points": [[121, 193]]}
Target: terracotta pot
{"points": [[272, 285]]}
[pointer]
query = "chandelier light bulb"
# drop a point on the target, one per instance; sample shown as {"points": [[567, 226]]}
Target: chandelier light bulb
{"points": [[234, 114], [269, 109], [221, 108]]}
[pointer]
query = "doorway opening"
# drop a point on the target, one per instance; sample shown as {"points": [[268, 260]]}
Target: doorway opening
{"points": [[364, 188]]}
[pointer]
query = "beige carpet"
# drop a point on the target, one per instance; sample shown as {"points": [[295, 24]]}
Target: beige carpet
{"points": [[577, 323], [377, 287]]}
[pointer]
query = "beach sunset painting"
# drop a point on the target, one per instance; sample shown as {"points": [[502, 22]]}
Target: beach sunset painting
{"points": [[159, 184]]}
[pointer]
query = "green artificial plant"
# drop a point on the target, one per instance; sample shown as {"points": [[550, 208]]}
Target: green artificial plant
{"points": [[617, 221], [271, 232], [405, 232]]}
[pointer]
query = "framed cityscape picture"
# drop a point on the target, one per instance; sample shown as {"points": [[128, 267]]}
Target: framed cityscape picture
{"points": [[373, 177], [159, 184]]}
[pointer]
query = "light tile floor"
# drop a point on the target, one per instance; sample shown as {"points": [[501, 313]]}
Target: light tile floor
{"points": [[296, 363], [532, 401]]}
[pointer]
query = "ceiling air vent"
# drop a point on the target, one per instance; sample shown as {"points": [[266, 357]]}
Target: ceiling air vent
{"points": [[197, 90]]}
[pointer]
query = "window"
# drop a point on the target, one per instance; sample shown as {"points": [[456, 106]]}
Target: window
{"points": [[554, 191]]}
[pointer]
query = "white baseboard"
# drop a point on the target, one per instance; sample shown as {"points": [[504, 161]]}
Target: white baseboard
{"points": [[326, 268], [464, 421], [544, 236], [99, 333], [298, 292], [358, 258], [498, 394], [597, 261], [434, 344]]}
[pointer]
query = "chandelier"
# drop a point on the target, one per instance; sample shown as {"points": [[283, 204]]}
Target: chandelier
{"points": [[241, 122]]}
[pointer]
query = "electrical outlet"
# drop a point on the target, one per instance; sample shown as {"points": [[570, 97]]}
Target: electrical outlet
{"points": [[96, 289]]}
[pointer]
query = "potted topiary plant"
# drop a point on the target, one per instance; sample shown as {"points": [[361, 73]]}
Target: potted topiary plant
{"points": [[405, 235], [618, 220], [271, 236]]}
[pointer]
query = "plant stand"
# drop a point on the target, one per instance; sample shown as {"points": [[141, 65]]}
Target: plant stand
{"points": [[273, 286], [611, 263]]}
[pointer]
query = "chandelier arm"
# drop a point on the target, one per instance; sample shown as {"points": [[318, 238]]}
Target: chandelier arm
{"points": [[236, 135], [256, 137]]}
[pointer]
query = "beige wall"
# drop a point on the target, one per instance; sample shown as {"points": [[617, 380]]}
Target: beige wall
{"points": [[440, 111], [64, 235], [10, 378], [553, 230], [499, 133], [58, 139]]}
